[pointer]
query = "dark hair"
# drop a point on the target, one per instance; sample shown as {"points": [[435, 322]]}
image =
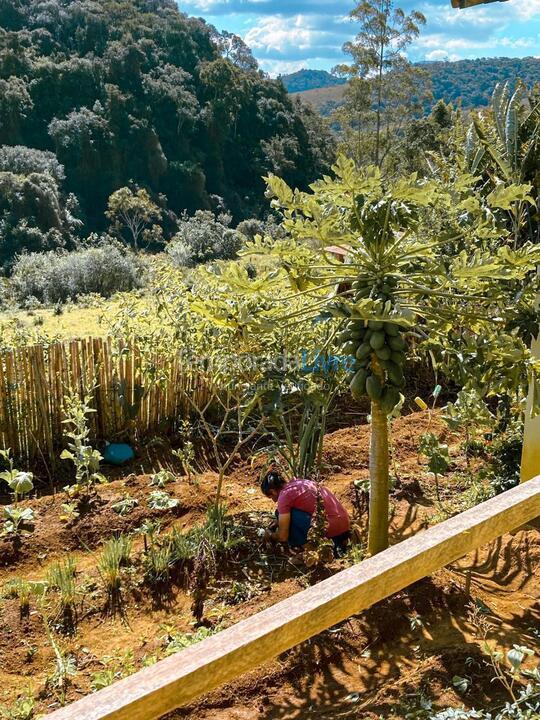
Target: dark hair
{"points": [[272, 481]]}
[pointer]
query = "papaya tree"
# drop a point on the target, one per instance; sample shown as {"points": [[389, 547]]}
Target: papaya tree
{"points": [[374, 254]]}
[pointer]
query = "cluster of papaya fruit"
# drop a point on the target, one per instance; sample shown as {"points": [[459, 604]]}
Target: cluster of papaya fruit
{"points": [[379, 351]]}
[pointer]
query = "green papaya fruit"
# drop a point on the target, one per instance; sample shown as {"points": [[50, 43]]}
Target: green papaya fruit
{"points": [[384, 353], [397, 343], [396, 376], [363, 351], [373, 387], [350, 347], [391, 329], [358, 384], [377, 340], [375, 325], [364, 362], [357, 334], [397, 357], [368, 334], [389, 398]]}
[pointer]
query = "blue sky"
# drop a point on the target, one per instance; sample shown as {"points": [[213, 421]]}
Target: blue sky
{"points": [[286, 35]]}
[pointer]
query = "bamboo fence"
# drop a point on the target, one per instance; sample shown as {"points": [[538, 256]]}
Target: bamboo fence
{"points": [[134, 394]]}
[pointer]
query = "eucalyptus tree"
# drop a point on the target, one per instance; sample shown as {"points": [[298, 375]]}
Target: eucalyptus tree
{"points": [[403, 278], [384, 87]]}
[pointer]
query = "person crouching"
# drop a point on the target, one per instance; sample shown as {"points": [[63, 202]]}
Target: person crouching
{"points": [[296, 505]]}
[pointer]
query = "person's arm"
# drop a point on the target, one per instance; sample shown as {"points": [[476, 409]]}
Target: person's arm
{"points": [[282, 532]]}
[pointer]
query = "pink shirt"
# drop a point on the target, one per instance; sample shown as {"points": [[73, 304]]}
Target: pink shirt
{"points": [[302, 495]]}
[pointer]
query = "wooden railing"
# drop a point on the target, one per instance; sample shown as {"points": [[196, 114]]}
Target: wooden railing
{"points": [[179, 679]]}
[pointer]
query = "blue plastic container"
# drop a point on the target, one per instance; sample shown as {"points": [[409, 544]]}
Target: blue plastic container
{"points": [[118, 453]]}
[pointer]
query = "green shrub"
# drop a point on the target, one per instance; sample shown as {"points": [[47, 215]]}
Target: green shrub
{"points": [[22, 160], [56, 276], [506, 458], [203, 238]]}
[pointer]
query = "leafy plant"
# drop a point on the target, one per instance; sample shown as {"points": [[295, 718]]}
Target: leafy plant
{"points": [[506, 452], [469, 413], [157, 564], [20, 483], [203, 238], [70, 512], [102, 679], [218, 530], [501, 145], [65, 668], [24, 590], [18, 521], [21, 709], [521, 684], [186, 453], [297, 433], [162, 478], [182, 546], [160, 500], [61, 577], [116, 555], [83, 456], [437, 455], [125, 506], [55, 277], [175, 642]]}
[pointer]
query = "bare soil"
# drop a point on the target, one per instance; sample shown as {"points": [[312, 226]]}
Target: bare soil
{"points": [[381, 663]]}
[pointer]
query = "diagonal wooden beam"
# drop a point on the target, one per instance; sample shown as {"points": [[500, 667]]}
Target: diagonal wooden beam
{"points": [[462, 4], [179, 679]]}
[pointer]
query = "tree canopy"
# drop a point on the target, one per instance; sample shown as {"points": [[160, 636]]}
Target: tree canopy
{"points": [[133, 91]]}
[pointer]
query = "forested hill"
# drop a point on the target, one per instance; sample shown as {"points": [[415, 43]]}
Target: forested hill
{"points": [[97, 94], [310, 80], [470, 82]]}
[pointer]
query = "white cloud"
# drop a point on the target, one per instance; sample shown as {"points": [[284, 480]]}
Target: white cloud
{"points": [[523, 42], [444, 16], [441, 55], [281, 67], [282, 34], [525, 9], [436, 40], [203, 6]]}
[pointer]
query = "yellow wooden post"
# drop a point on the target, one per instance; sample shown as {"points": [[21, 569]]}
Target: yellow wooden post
{"points": [[530, 461]]}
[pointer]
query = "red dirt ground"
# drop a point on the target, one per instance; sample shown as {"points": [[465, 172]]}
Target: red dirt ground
{"points": [[381, 663]]}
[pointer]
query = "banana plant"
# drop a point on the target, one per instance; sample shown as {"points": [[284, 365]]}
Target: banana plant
{"points": [[401, 274], [502, 147]]}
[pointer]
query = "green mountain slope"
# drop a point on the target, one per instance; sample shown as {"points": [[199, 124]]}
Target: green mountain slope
{"points": [[121, 91], [469, 82], [310, 80]]}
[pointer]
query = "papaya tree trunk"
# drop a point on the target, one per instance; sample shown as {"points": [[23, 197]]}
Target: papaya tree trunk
{"points": [[379, 481]]}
